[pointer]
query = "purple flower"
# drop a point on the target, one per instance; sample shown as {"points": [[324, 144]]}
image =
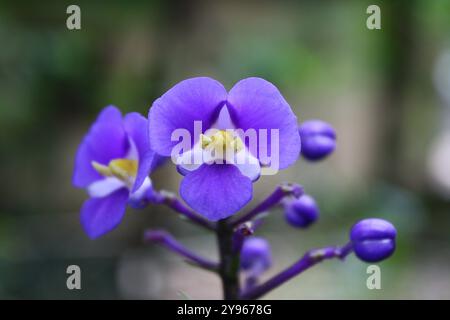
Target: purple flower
{"points": [[373, 239], [112, 164], [218, 186], [301, 212], [318, 139], [256, 256]]}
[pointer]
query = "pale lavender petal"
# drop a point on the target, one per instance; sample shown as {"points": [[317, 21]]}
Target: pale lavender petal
{"points": [[257, 104], [248, 164], [103, 187], [216, 191], [196, 99]]}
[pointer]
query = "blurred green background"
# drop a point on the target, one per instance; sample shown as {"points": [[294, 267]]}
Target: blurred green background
{"points": [[385, 91]]}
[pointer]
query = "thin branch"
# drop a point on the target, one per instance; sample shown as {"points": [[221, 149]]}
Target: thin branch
{"points": [[169, 199], [310, 259], [280, 192], [165, 239]]}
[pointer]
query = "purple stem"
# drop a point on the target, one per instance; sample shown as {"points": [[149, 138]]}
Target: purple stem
{"points": [[170, 200], [250, 282], [310, 259], [165, 239], [280, 192]]}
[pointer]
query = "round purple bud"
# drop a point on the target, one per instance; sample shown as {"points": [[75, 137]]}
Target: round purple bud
{"points": [[318, 139], [255, 255], [301, 212], [373, 239]]}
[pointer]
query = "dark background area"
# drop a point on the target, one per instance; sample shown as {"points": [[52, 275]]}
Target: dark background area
{"points": [[387, 93]]}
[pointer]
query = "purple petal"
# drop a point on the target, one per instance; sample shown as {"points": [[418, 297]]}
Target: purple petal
{"points": [[216, 191], [106, 140], [256, 103], [158, 161], [101, 215], [136, 127], [110, 114], [196, 99]]}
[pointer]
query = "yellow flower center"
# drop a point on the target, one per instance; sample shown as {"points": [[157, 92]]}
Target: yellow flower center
{"points": [[122, 169], [221, 141]]}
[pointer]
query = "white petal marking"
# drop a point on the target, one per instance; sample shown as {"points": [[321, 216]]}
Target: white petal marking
{"points": [[192, 159], [104, 187], [248, 164], [138, 194]]}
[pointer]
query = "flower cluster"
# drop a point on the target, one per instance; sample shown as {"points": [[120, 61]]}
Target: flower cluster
{"points": [[221, 142]]}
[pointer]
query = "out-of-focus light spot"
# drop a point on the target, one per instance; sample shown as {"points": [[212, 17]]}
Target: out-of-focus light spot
{"points": [[442, 77], [439, 163], [139, 276]]}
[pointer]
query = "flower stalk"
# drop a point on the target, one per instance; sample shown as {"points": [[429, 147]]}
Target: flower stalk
{"points": [[272, 200], [229, 261], [310, 259], [170, 200], [165, 239]]}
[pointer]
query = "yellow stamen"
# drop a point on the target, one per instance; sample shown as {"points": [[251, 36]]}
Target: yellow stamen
{"points": [[123, 169], [205, 140], [102, 169], [221, 141]]}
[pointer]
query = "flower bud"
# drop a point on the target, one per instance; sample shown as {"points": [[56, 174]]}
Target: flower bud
{"points": [[255, 255], [301, 212], [373, 239], [318, 139]]}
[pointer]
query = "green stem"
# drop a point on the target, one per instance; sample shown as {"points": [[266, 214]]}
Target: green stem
{"points": [[229, 261]]}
